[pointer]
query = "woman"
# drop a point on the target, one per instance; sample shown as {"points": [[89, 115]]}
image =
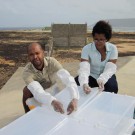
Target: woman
{"points": [[98, 61]]}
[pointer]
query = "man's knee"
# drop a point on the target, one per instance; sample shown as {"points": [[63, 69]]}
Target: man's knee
{"points": [[26, 93]]}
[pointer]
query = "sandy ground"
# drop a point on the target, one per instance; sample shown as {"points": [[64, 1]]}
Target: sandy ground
{"points": [[13, 46]]}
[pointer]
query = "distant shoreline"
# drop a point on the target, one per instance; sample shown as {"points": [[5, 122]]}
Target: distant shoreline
{"points": [[49, 31], [19, 28], [115, 29]]}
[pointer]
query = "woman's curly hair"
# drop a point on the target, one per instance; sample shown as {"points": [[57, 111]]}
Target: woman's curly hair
{"points": [[103, 27]]}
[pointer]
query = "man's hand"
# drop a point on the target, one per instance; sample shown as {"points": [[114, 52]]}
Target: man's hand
{"points": [[86, 88], [72, 106], [58, 107], [100, 84]]}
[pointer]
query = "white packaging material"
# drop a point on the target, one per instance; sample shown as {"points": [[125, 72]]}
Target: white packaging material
{"points": [[65, 98], [32, 103], [39, 121], [75, 127], [129, 130], [98, 114], [108, 111]]}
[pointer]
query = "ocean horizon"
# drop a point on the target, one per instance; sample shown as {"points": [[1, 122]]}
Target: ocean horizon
{"points": [[123, 29], [19, 28], [115, 29], [120, 29]]}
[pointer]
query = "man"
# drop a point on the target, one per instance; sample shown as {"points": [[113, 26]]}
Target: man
{"points": [[45, 71]]}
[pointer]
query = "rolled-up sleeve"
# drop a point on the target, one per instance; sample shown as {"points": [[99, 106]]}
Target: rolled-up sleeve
{"points": [[84, 54], [28, 76], [114, 53]]}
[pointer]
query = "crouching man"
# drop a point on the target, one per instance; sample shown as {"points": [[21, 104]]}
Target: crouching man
{"points": [[42, 73]]}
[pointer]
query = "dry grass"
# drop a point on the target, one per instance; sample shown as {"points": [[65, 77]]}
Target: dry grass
{"points": [[13, 49]]}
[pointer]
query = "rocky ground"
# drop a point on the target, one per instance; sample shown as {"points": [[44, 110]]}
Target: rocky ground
{"points": [[13, 46]]}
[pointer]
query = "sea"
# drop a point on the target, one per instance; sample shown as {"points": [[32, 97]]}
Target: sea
{"points": [[123, 29], [19, 28], [118, 29], [115, 29]]}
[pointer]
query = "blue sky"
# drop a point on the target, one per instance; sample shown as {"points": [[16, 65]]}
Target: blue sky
{"points": [[20, 13]]}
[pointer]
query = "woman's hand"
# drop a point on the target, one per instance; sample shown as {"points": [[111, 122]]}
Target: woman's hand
{"points": [[100, 84], [86, 88]]}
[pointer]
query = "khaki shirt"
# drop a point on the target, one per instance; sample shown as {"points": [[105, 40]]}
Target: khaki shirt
{"points": [[47, 77]]}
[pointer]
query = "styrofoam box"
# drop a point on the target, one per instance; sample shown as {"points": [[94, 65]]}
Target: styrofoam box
{"points": [[98, 114]]}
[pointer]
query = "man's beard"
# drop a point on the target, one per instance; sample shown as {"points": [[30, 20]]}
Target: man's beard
{"points": [[37, 64]]}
